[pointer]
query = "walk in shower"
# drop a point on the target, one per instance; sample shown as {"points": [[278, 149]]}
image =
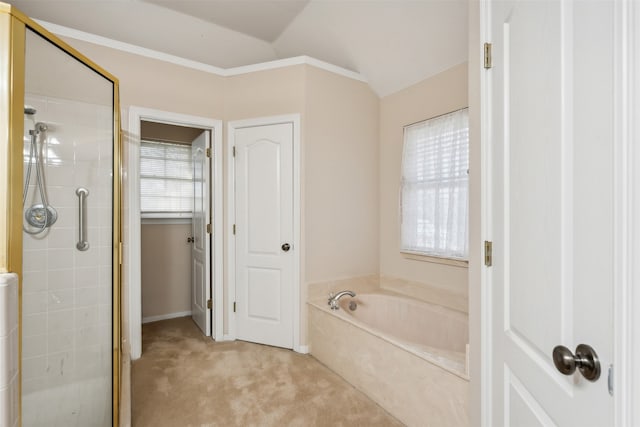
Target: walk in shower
{"points": [[62, 225]]}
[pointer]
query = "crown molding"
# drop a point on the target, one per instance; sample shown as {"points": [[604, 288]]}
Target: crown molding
{"points": [[295, 60], [188, 63]]}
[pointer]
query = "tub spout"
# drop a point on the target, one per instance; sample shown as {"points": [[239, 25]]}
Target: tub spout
{"points": [[333, 299]]}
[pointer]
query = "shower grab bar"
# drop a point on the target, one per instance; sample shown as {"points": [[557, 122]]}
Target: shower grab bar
{"points": [[82, 194]]}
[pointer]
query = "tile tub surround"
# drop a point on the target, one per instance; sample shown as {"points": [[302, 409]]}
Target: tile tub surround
{"points": [[360, 284], [419, 390], [409, 324], [9, 386], [426, 292], [372, 283]]}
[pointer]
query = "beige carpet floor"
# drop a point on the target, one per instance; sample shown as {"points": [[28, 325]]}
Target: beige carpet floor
{"points": [[185, 379]]}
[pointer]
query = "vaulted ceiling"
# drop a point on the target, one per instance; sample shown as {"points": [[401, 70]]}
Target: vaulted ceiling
{"points": [[392, 43]]}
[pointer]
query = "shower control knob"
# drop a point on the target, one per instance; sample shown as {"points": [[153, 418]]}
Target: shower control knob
{"points": [[286, 247]]}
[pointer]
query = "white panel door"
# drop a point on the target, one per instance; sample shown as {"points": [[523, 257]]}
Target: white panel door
{"points": [[201, 246], [551, 104], [264, 228]]}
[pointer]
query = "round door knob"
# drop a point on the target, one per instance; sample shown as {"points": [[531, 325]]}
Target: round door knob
{"points": [[286, 247], [564, 360], [585, 359]]}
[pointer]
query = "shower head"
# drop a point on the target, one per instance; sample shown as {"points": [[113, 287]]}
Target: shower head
{"points": [[29, 110]]}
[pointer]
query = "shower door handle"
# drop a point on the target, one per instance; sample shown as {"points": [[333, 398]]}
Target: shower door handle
{"points": [[82, 194]]}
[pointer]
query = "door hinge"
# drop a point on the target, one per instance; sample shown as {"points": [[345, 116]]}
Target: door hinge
{"points": [[234, 229], [487, 56], [209, 228], [488, 253], [234, 306], [208, 151], [209, 304], [120, 253], [234, 150]]}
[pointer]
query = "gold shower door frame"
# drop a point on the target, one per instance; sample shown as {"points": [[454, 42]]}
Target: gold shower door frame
{"points": [[13, 26]]}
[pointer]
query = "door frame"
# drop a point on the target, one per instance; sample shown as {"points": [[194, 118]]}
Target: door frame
{"points": [[626, 208], [294, 119], [132, 203]]}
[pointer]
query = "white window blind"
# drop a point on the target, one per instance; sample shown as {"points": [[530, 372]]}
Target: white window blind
{"points": [[434, 186], [166, 185]]}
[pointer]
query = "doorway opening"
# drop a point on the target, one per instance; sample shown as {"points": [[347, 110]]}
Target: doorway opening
{"points": [[167, 218], [174, 265]]}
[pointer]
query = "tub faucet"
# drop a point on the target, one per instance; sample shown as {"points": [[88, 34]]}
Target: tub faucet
{"points": [[333, 299]]}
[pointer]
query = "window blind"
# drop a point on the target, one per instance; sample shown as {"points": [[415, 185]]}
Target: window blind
{"points": [[435, 186], [166, 185]]}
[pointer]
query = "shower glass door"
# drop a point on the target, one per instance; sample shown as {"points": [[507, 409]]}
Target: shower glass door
{"points": [[68, 201]]}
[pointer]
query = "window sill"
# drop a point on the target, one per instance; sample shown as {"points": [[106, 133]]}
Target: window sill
{"points": [[435, 259]]}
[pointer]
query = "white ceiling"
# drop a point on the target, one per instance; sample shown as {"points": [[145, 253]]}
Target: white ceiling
{"points": [[393, 43]]}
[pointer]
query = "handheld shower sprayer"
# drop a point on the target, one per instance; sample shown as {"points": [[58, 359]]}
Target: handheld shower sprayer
{"points": [[41, 215]]}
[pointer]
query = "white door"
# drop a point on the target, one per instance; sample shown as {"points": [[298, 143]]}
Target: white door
{"points": [[551, 102], [264, 233], [201, 246]]}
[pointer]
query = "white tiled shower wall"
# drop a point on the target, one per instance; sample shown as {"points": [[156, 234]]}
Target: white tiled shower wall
{"points": [[67, 343], [9, 387]]}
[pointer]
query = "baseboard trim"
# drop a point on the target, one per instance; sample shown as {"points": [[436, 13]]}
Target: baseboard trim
{"points": [[165, 316], [227, 337], [303, 349]]}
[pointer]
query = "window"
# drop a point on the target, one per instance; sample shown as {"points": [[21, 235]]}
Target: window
{"points": [[166, 185], [434, 187]]}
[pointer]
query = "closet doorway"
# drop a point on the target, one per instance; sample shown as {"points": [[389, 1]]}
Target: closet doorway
{"points": [[175, 230]]}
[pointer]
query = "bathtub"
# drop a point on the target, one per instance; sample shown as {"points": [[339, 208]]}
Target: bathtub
{"points": [[407, 355]]}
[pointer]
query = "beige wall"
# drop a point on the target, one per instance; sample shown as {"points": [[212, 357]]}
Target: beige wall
{"points": [[264, 93], [440, 94], [341, 177], [166, 269], [340, 187]]}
